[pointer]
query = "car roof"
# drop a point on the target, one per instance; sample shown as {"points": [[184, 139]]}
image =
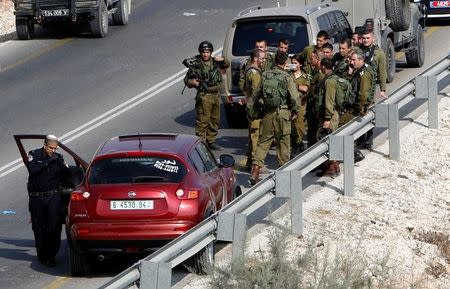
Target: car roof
{"points": [[150, 142], [302, 11]]}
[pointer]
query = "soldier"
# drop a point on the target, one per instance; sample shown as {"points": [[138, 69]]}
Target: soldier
{"points": [[300, 125], [251, 88], [327, 50], [280, 106], [311, 113], [327, 111], [363, 83], [341, 65], [321, 38], [205, 76], [47, 173], [375, 57]]}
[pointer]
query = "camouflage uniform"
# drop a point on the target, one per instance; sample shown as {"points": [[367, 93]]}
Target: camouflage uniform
{"points": [[207, 101], [311, 112], [252, 88], [375, 57], [300, 124], [276, 120]]}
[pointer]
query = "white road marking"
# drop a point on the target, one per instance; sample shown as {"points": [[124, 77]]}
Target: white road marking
{"points": [[107, 116]]}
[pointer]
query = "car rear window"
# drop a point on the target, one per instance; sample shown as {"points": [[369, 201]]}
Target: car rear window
{"points": [[271, 30], [137, 170]]}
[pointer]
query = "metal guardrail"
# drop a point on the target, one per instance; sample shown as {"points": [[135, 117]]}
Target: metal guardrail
{"points": [[154, 272]]}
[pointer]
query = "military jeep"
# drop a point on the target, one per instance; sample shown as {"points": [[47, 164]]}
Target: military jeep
{"points": [[93, 12]]}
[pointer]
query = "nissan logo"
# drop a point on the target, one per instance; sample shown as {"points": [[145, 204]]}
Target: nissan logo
{"points": [[131, 194]]}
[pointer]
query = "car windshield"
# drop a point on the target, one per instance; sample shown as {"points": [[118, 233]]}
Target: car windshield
{"points": [[137, 170], [248, 32]]}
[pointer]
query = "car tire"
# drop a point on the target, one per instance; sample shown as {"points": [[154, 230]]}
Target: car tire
{"points": [[24, 28], [390, 60], [399, 12], [415, 57], [99, 25], [120, 17], [78, 265], [237, 191], [202, 261]]}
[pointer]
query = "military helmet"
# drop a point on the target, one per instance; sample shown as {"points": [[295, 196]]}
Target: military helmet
{"points": [[205, 45]]}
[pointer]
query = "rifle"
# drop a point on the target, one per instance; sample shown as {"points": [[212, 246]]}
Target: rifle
{"points": [[192, 64]]}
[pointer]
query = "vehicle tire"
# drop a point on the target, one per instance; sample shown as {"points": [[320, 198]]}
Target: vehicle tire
{"points": [[78, 265], [24, 28], [237, 191], [399, 12], [120, 17], [390, 60], [416, 56], [203, 260], [236, 119], [99, 25]]}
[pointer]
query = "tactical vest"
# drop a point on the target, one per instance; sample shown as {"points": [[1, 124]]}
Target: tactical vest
{"points": [[356, 82], [369, 58], [210, 74], [275, 88]]}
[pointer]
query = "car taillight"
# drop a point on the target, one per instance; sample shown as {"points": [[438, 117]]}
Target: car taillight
{"points": [[187, 194], [79, 196]]}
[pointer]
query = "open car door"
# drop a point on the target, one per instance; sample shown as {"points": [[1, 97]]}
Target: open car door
{"points": [[77, 166]]}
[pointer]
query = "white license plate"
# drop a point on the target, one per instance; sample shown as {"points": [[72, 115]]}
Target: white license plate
{"points": [[59, 12], [132, 205], [439, 4]]}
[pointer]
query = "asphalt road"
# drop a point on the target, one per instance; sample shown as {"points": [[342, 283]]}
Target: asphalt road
{"points": [[88, 90]]}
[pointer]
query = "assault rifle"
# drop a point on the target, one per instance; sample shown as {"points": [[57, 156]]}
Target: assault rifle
{"points": [[192, 64]]}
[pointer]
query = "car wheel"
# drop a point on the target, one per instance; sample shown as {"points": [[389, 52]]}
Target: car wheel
{"points": [[203, 261], [236, 119], [120, 17], [78, 265], [24, 28], [99, 25], [390, 59], [399, 12], [237, 191], [416, 56]]}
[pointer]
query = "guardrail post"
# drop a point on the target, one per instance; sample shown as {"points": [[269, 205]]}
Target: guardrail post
{"points": [[232, 228], [343, 148], [288, 184], [427, 88], [155, 275], [387, 116]]}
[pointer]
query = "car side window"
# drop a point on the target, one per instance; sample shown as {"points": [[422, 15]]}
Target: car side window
{"points": [[345, 31], [207, 156], [197, 161], [324, 23]]}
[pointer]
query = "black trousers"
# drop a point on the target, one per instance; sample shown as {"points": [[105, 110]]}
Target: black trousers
{"points": [[46, 224]]}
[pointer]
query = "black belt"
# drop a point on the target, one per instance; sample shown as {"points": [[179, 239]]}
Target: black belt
{"points": [[44, 194]]}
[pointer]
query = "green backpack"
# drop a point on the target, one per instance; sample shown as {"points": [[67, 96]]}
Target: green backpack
{"points": [[274, 86], [345, 96]]}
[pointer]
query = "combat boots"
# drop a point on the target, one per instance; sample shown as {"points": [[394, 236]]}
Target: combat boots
{"points": [[254, 178]]}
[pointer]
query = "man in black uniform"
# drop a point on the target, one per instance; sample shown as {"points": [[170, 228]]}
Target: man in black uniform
{"points": [[47, 173]]}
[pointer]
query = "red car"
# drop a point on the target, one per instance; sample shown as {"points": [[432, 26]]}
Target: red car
{"points": [[140, 192]]}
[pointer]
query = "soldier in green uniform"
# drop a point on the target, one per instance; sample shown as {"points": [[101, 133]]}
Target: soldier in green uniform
{"points": [[280, 105], [327, 50], [327, 111], [300, 125], [363, 83], [251, 89], [205, 76], [375, 57], [341, 65], [312, 96], [321, 38]]}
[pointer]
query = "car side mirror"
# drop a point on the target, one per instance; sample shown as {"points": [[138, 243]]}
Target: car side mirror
{"points": [[76, 176], [226, 161]]}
